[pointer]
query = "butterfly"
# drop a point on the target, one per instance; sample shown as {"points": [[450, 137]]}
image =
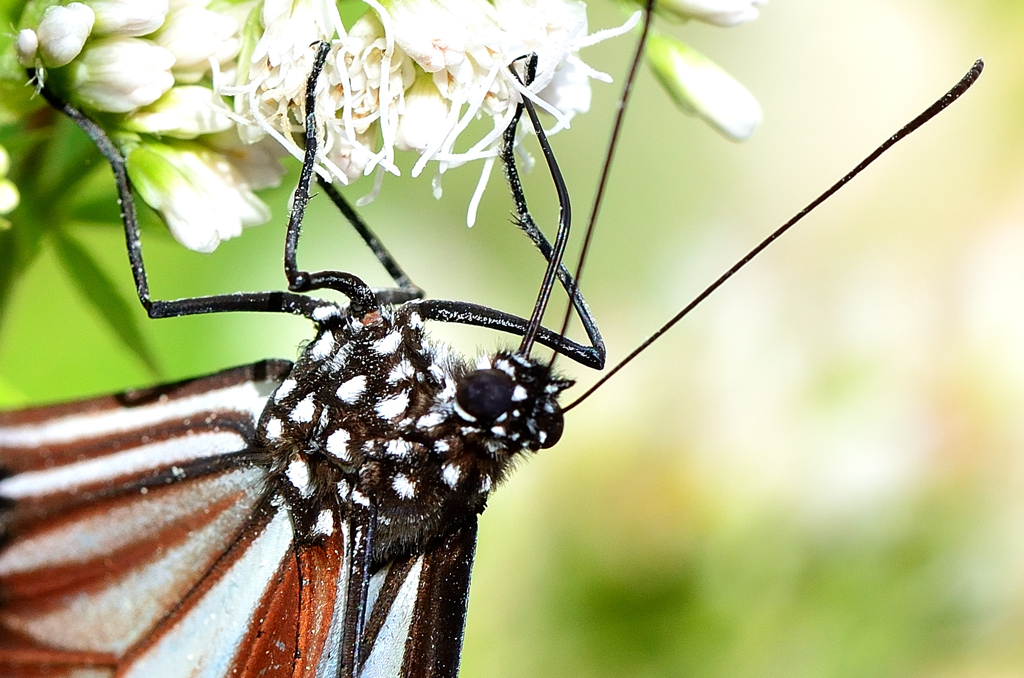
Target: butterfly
{"points": [[311, 519]]}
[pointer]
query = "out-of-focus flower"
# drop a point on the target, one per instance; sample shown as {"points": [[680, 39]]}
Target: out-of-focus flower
{"points": [[718, 12], [702, 88], [9, 197], [201, 196], [27, 46], [117, 75], [184, 112], [62, 33], [194, 35], [142, 69], [128, 18]]}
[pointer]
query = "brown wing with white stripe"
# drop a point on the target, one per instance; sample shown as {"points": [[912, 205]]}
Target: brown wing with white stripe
{"points": [[145, 535], [140, 531], [418, 610]]}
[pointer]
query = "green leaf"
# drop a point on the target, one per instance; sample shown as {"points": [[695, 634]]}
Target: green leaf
{"points": [[10, 397], [100, 291]]}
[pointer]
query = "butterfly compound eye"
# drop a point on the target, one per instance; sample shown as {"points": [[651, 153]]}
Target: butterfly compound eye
{"points": [[485, 394], [554, 432]]}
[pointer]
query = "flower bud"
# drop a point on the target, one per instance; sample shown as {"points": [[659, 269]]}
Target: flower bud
{"points": [[425, 117], [62, 33], [700, 87], [9, 196], [201, 197], [128, 18], [718, 12], [26, 45], [118, 75], [195, 35], [183, 113]]}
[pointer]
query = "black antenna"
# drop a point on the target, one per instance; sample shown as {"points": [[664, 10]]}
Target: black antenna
{"points": [[929, 113]]}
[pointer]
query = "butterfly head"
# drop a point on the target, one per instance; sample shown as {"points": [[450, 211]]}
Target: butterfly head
{"points": [[510, 402]]}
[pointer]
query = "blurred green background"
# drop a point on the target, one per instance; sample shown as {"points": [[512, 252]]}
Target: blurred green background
{"points": [[821, 471]]}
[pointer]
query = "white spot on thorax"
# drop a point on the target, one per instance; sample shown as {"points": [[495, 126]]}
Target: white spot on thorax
{"points": [[404, 488], [286, 387], [430, 420], [341, 357], [483, 362], [360, 498], [298, 475], [519, 393], [451, 474], [485, 485], [303, 410], [402, 370], [388, 344], [393, 407], [442, 446], [350, 391], [399, 448], [273, 427], [323, 346], [337, 445]]}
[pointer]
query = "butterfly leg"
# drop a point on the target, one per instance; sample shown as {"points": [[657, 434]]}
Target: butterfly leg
{"points": [[268, 302], [364, 300], [525, 220]]}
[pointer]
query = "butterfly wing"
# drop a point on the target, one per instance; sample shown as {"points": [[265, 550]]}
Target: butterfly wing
{"points": [[124, 515], [143, 537], [418, 610]]}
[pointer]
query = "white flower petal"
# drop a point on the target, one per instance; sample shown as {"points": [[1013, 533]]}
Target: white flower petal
{"points": [[701, 87], [130, 18], [62, 33], [121, 74], [719, 12]]}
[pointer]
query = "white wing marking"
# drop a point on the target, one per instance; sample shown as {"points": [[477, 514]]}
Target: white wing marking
{"points": [[385, 660], [107, 531], [247, 398], [67, 477], [330, 659], [209, 635], [115, 617]]}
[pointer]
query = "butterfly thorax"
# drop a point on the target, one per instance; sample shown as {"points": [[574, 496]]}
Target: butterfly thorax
{"points": [[376, 415]]}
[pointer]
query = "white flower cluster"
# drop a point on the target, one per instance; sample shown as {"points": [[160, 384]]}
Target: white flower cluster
{"points": [[144, 66], [410, 75], [401, 75]]}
